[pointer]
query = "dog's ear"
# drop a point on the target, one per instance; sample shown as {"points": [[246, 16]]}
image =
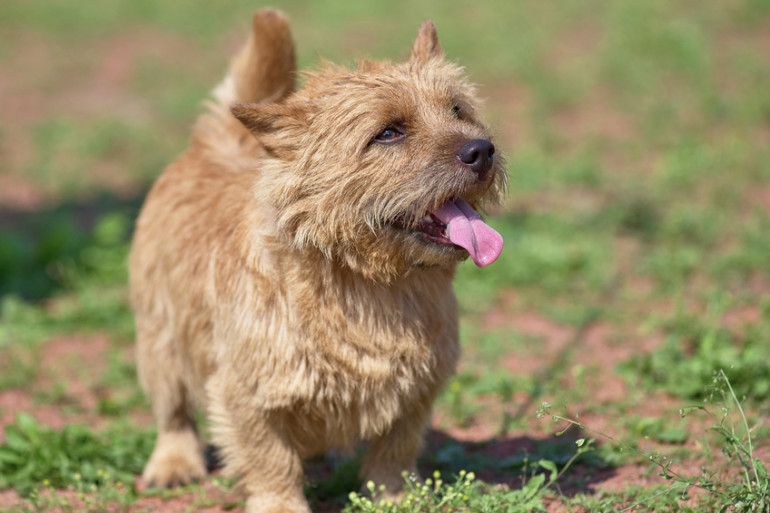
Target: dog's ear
{"points": [[426, 45], [266, 118], [259, 118]]}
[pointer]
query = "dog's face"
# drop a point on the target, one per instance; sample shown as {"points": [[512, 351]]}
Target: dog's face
{"points": [[372, 166]]}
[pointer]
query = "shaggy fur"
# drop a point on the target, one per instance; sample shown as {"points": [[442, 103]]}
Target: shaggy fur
{"points": [[276, 277]]}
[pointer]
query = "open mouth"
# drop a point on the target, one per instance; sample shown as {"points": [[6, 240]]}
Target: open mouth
{"points": [[455, 223], [433, 229]]}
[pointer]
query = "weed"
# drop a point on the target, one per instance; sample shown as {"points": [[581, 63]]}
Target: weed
{"points": [[688, 363], [723, 488], [464, 494], [34, 456]]}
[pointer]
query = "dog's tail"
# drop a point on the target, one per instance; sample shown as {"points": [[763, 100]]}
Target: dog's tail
{"points": [[263, 71], [265, 68]]}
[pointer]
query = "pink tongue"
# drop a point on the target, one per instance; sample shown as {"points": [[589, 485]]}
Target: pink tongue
{"points": [[466, 229]]}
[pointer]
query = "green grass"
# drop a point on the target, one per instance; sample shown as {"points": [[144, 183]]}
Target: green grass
{"points": [[742, 485], [636, 136], [76, 265], [33, 456], [464, 494], [695, 351]]}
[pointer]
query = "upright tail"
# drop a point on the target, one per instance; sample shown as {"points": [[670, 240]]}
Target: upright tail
{"points": [[263, 71]]}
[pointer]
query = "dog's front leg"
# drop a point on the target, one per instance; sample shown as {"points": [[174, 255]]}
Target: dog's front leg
{"points": [[395, 452], [257, 449]]}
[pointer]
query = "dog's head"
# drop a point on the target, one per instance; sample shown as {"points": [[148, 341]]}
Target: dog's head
{"points": [[381, 168]]}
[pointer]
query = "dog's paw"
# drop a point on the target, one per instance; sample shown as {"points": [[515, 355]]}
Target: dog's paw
{"points": [[388, 484], [177, 460], [278, 503]]}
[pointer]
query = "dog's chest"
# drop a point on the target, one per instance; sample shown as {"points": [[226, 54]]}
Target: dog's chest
{"points": [[371, 362], [343, 358]]}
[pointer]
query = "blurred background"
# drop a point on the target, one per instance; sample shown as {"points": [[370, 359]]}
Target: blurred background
{"points": [[637, 225]]}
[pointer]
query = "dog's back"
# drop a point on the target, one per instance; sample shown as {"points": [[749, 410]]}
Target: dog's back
{"points": [[190, 214]]}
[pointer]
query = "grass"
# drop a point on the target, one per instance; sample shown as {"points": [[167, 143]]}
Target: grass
{"points": [[698, 347], [35, 458], [465, 494], [34, 455], [743, 486], [636, 135]]}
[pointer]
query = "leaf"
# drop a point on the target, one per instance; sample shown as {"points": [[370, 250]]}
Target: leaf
{"points": [[533, 487], [550, 467], [689, 409], [7, 456], [61, 455], [672, 436], [15, 439], [27, 424]]}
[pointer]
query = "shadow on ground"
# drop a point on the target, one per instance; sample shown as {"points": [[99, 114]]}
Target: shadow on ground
{"points": [[498, 461], [33, 242]]}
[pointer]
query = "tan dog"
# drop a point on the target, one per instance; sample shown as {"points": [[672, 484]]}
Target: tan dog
{"points": [[291, 272]]}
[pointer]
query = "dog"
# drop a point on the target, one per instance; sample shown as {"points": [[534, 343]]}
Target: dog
{"points": [[291, 271]]}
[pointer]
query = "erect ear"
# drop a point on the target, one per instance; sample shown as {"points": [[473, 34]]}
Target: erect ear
{"points": [[426, 45], [264, 118]]}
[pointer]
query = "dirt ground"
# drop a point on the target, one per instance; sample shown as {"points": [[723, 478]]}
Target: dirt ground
{"points": [[65, 358], [85, 89]]}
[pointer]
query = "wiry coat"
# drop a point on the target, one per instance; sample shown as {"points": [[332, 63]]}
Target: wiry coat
{"points": [[270, 284]]}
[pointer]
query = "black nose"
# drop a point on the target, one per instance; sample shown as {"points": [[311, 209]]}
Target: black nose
{"points": [[477, 155]]}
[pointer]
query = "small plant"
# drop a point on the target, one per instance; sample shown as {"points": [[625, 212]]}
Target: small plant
{"points": [[751, 493], [684, 365], [466, 493], [456, 396], [34, 456]]}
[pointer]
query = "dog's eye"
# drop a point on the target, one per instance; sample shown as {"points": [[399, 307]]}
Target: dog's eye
{"points": [[457, 112], [390, 134]]}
